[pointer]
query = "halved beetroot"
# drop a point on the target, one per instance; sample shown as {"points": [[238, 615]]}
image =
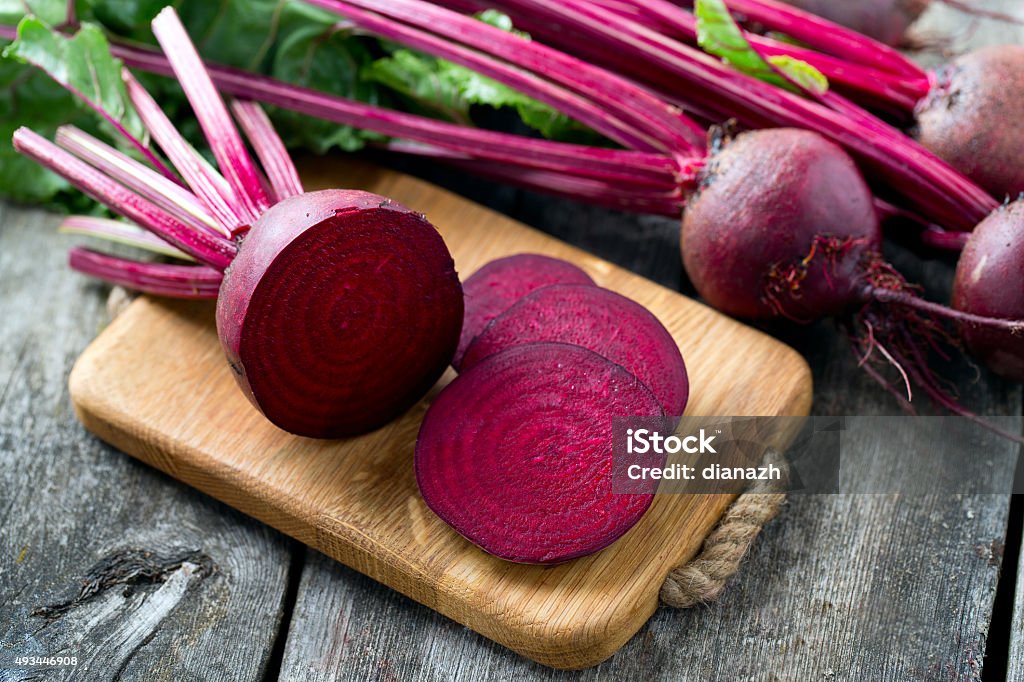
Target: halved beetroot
{"points": [[603, 321], [496, 286], [516, 453], [340, 311]]}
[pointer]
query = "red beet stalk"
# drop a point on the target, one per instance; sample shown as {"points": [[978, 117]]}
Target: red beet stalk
{"points": [[337, 309], [940, 193]]}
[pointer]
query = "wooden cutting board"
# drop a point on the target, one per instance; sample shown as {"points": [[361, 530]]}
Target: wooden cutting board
{"points": [[155, 384]]}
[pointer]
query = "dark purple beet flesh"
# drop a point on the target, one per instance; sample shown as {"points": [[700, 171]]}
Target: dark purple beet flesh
{"points": [[781, 226], [516, 453], [340, 311], [990, 282], [600, 320], [496, 286]]}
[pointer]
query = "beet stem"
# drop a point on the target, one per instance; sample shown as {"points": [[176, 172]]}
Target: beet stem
{"points": [[270, 150], [665, 198], [226, 144], [209, 185], [669, 204], [826, 35], [498, 146], [170, 196], [597, 98], [215, 251], [119, 232], [898, 91], [938, 238], [163, 279], [884, 295], [921, 177], [483, 144]]}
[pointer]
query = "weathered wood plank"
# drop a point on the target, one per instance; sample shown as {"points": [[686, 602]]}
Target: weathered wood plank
{"points": [[1015, 666], [203, 604]]}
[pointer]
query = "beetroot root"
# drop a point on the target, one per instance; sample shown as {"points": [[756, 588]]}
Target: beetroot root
{"points": [[516, 453], [340, 311], [990, 282], [783, 227], [780, 226], [496, 286], [970, 118], [600, 320]]}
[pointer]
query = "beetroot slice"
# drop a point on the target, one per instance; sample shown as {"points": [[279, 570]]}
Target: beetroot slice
{"points": [[492, 289], [516, 453], [340, 311], [611, 325]]}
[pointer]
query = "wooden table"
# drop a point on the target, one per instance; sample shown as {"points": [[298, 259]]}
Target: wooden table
{"points": [[843, 587]]}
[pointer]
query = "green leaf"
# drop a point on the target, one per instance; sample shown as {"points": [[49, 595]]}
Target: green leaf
{"points": [[315, 52], [129, 18], [29, 97], [800, 73], [441, 88], [719, 34], [499, 20], [239, 33], [82, 64], [53, 12]]}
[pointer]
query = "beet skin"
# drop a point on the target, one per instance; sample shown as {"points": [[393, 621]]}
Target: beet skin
{"points": [[781, 226], [340, 311], [972, 118], [990, 282], [496, 286], [516, 453]]}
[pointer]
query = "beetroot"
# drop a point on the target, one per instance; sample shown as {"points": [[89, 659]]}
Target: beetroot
{"points": [[339, 312], [990, 282], [516, 453], [336, 309], [496, 286], [783, 227], [969, 118], [600, 320]]}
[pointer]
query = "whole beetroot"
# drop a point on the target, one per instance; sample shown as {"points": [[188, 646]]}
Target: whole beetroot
{"points": [[783, 227], [990, 281], [783, 224], [970, 118]]}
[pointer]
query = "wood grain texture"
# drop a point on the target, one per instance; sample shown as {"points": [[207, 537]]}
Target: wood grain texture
{"points": [[356, 500], [1015, 667], [68, 502]]}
